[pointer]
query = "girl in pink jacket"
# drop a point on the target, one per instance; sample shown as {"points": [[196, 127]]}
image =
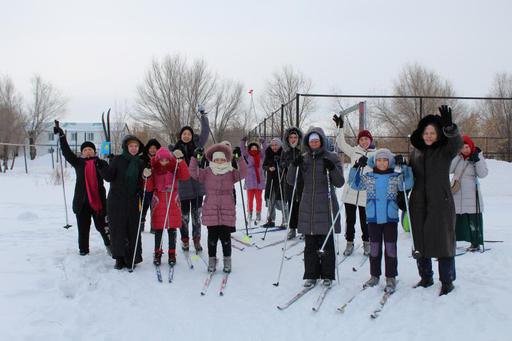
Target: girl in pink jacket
{"points": [[219, 212]]}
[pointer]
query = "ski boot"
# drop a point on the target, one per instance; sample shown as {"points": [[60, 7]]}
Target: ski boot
{"points": [[212, 264], [258, 218], [197, 245], [84, 253], [390, 285], [425, 283], [185, 245], [172, 257], [227, 265], [366, 248], [292, 233], [119, 264], [157, 257], [446, 288], [473, 248], [309, 283], [268, 224], [327, 283], [373, 281], [349, 249]]}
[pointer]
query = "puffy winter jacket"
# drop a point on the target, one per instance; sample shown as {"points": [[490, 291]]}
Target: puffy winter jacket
{"points": [[251, 179], [468, 173]]}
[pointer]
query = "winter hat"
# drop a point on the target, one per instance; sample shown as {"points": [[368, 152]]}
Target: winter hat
{"points": [[314, 136], [219, 155], [87, 144], [152, 142], [364, 133], [276, 141], [227, 143], [384, 153], [470, 143], [163, 153]]}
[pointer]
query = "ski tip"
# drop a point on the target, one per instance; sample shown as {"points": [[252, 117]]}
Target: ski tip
{"points": [[130, 270], [275, 284], [354, 269], [221, 293], [203, 293], [280, 308]]}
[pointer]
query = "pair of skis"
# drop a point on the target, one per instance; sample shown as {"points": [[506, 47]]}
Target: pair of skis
{"points": [[170, 276], [208, 281], [376, 312], [318, 302]]}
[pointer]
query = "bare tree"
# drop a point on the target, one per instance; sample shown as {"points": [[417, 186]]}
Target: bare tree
{"points": [[171, 91], [119, 127], [283, 87], [48, 104], [498, 114], [13, 122], [226, 108], [401, 115]]}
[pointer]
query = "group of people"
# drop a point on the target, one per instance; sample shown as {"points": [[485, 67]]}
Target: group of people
{"points": [[299, 177]]}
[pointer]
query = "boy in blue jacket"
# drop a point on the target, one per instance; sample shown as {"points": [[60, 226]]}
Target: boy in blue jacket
{"points": [[382, 186]]}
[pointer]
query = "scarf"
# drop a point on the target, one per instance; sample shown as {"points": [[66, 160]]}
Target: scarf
{"points": [[220, 169], [91, 185], [256, 156], [132, 172]]}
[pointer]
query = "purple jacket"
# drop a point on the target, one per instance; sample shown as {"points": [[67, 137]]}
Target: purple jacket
{"points": [[250, 179], [219, 204]]}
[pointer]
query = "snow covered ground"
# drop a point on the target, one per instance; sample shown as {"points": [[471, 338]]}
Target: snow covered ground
{"points": [[49, 292]]}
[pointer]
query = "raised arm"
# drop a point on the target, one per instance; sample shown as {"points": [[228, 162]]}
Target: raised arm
{"points": [[205, 130], [70, 157], [241, 172]]}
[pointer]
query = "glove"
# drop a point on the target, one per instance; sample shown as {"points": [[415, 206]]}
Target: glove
{"points": [[328, 164], [146, 173], [198, 153], [474, 157], [178, 154], [400, 160], [362, 162], [338, 120], [298, 161], [446, 115], [237, 152], [57, 129], [200, 108]]}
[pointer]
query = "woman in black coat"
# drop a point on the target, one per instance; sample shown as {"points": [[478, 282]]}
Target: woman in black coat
{"points": [[89, 200], [124, 174], [275, 185], [436, 142]]}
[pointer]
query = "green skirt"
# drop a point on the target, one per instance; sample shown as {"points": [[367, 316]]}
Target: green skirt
{"points": [[470, 228]]}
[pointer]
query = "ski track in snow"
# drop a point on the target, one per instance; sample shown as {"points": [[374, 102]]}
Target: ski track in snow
{"points": [[49, 292]]}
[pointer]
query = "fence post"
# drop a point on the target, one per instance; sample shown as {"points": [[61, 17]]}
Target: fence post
{"points": [[282, 121], [421, 108], [51, 152], [25, 157], [272, 125], [297, 109], [265, 128]]}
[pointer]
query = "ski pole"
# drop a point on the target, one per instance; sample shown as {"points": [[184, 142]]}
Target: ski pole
{"points": [[287, 228], [285, 211], [168, 205], [478, 212], [415, 253], [67, 226], [329, 196], [271, 199]]}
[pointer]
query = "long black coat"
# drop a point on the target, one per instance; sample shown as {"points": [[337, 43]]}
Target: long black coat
{"points": [[122, 209], [80, 197], [315, 214], [431, 203], [273, 181], [289, 154]]}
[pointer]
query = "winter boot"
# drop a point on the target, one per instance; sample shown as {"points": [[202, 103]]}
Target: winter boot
{"points": [[373, 281], [184, 244], [197, 245], [424, 283], [84, 253], [258, 218], [473, 248], [446, 288], [390, 285], [172, 257], [309, 283], [227, 265], [327, 283], [212, 264], [119, 264], [366, 248], [349, 249], [292, 233], [268, 224], [157, 257]]}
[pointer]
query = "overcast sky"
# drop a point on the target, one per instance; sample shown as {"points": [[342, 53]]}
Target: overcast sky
{"points": [[96, 52]]}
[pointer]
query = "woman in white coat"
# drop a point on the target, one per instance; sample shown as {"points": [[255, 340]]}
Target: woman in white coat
{"points": [[466, 168], [354, 199]]}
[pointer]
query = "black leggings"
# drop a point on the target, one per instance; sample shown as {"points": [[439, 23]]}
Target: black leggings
{"points": [[172, 238], [350, 212], [223, 233], [83, 220]]}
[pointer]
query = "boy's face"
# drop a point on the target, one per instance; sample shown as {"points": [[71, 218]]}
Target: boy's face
{"points": [[88, 152], [133, 148], [382, 164], [364, 142]]}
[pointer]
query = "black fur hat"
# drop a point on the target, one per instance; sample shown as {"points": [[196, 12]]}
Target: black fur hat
{"points": [[417, 135]]}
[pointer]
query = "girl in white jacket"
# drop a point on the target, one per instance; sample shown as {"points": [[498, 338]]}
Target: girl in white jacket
{"points": [[466, 168], [354, 199]]}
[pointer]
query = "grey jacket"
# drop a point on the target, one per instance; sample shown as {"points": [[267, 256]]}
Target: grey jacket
{"points": [[468, 173], [314, 212]]}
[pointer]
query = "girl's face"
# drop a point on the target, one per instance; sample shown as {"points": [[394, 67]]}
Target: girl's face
{"points": [[219, 161], [253, 148], [133, 148], [274, 147], [382, 164], [466, 150], [315, 144], [364, 142], [293, 139], [88, 152], [186, 136], [164, 162], [430, 135], [152, 150]]}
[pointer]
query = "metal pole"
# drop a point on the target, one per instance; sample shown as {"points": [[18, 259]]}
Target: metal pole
{"points": [[53, 163], [421, 108], [265, 128], [282, 121], [297, 110], [25, 157], [272, 126]]}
